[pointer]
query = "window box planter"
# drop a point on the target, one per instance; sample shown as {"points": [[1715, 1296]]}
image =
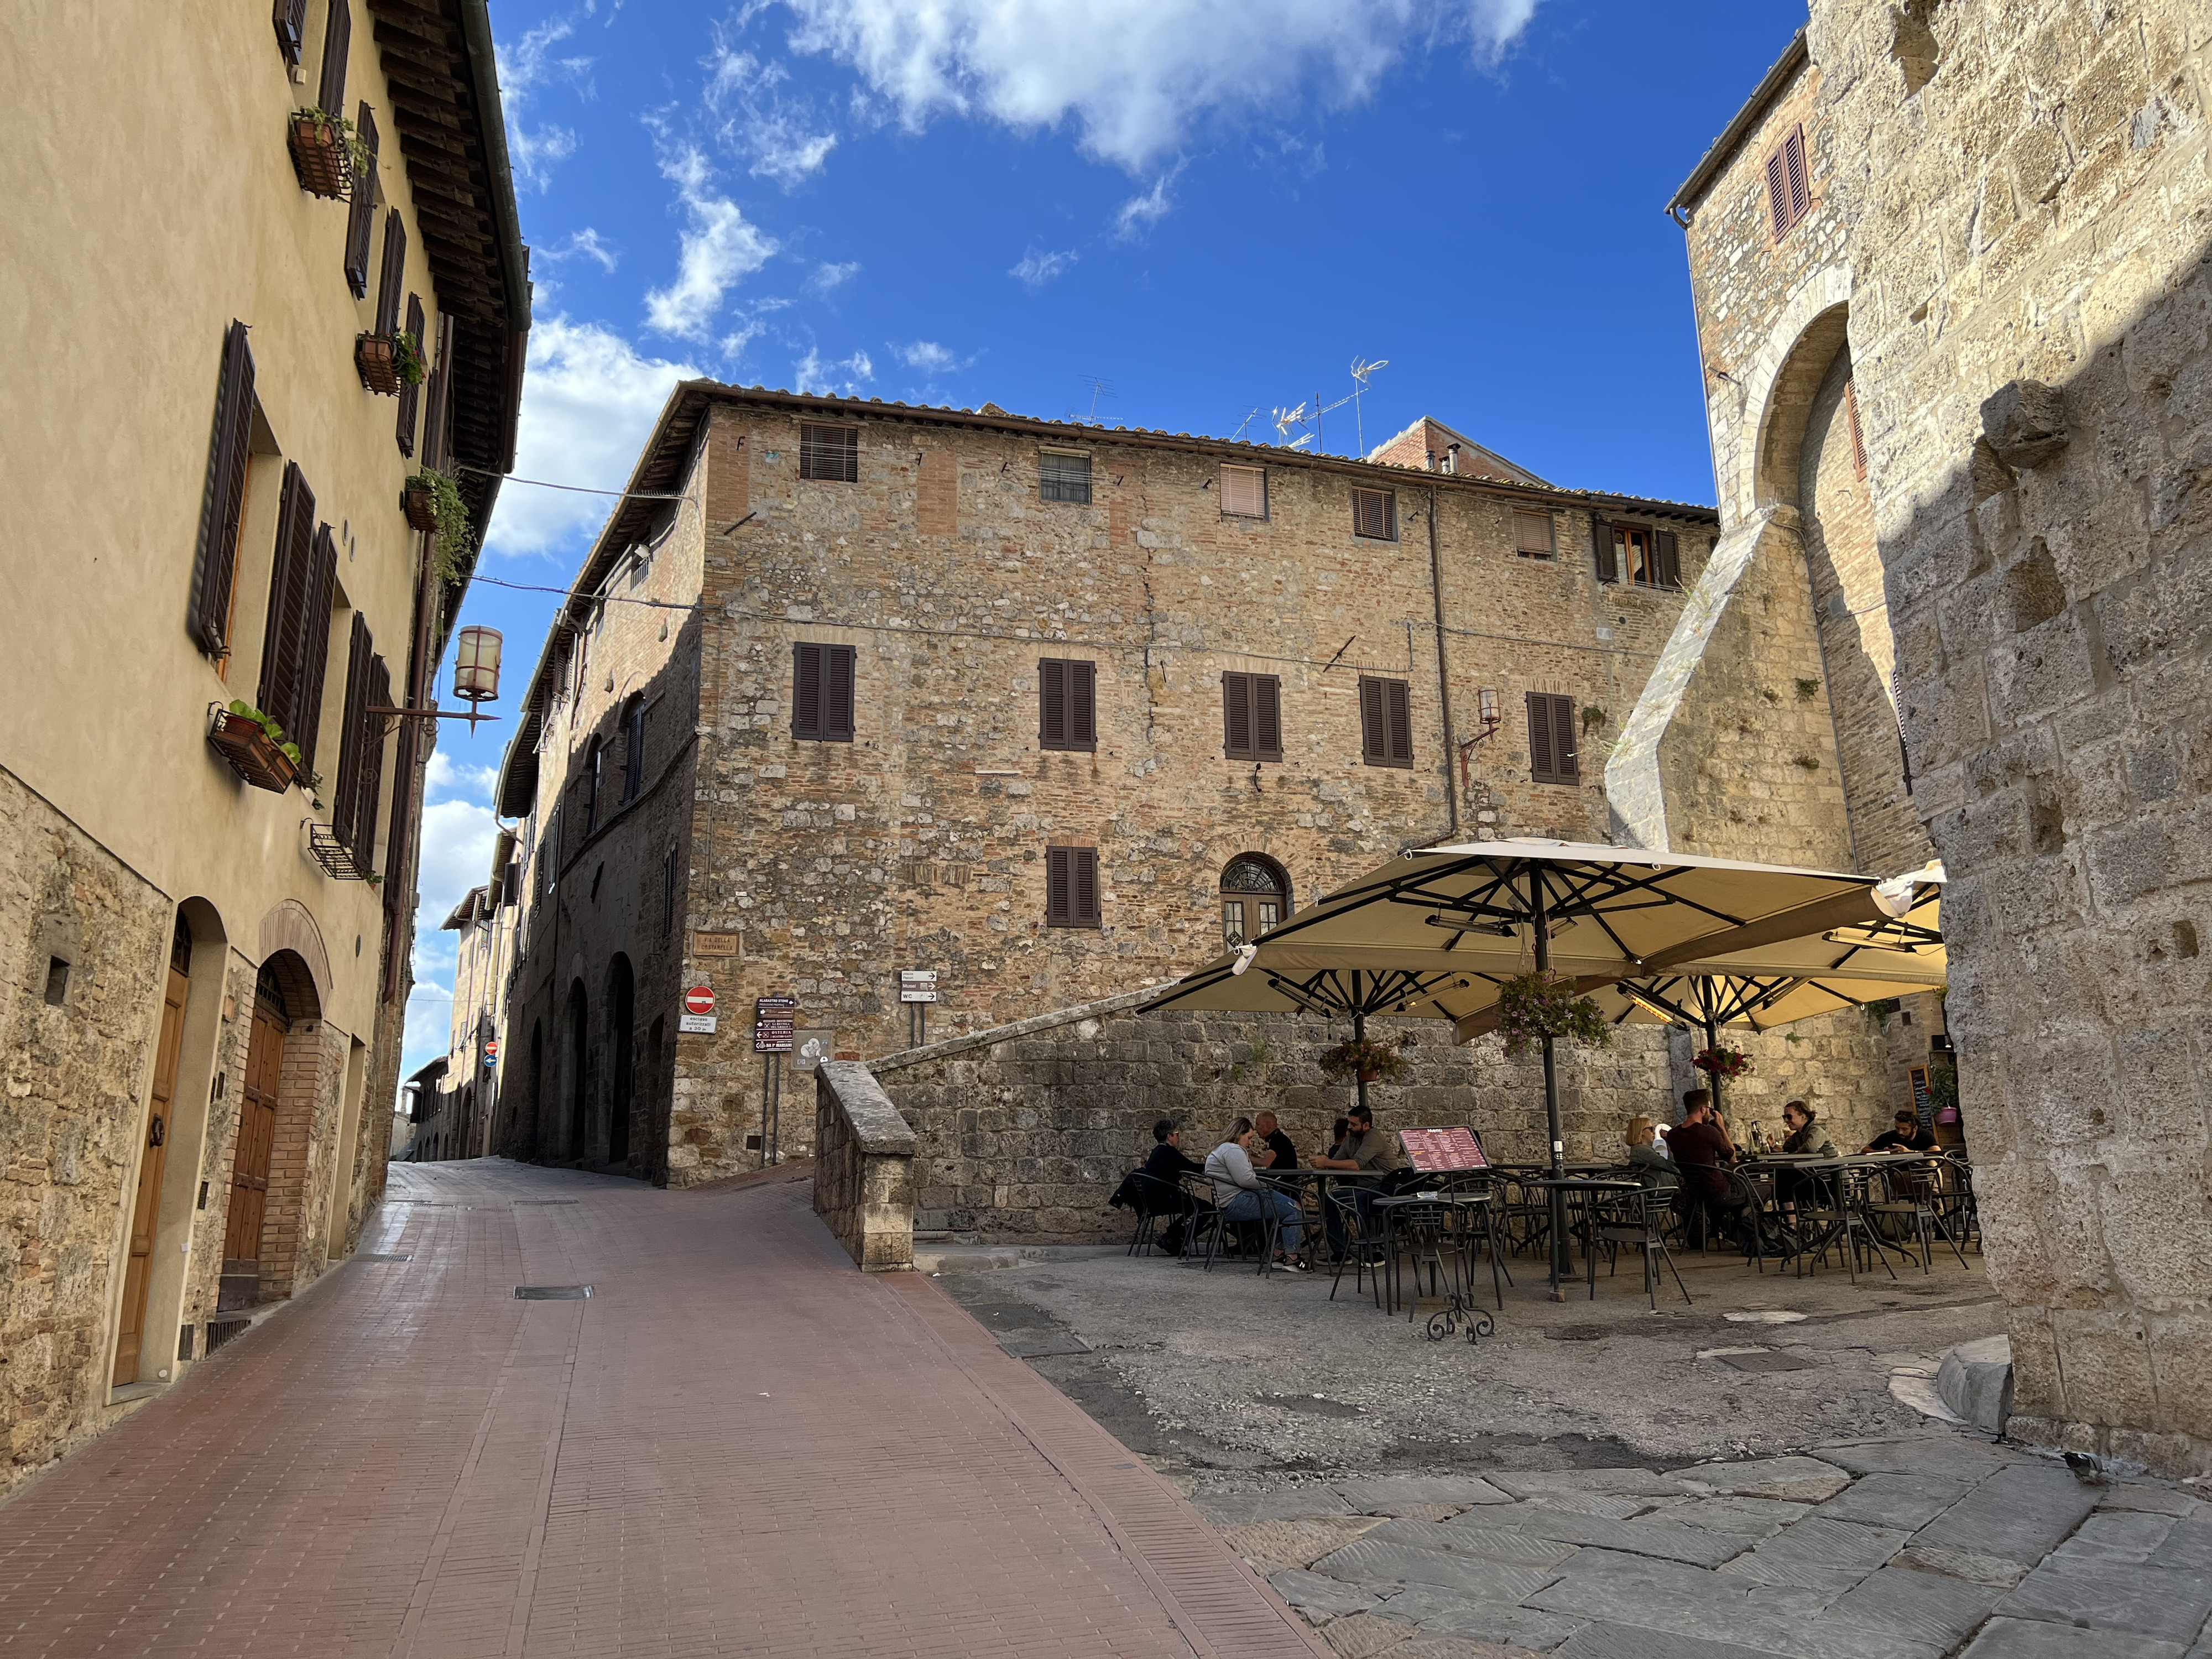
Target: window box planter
{"points": [[379, 365], [250, 751], [320, 156], [420, 503], [332, 853]]}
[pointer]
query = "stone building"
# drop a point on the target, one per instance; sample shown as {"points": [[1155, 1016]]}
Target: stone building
{"points": [[203, 946], [1949, 265], [1048, 709], [459, 1109]]}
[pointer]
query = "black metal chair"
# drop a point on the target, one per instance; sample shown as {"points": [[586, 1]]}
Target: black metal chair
{"points": [[1203, 1221], [1155, 1199], [1638, 1219], [1836, 1217], [1361, 1242], [1907, 1203], [1486, 1224]]}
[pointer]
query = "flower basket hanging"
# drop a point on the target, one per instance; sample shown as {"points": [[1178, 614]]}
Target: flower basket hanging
{"points": [[1364, 1059], [321, 154], [1723, 1064], [1534, 1005], [420, 503]]}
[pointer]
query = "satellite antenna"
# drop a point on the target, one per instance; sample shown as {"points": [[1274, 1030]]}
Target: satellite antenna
{"points": [[1285, 419]]}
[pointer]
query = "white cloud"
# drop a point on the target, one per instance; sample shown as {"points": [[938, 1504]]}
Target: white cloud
{"points": [[929, 358], [588, 400], [777, 136], [812, 374], [1141, 213], [451, 778], [535, 154], [1135, 77], [1039, 266], [587, 242], [524, 68], [828, 278], [719, 251]]}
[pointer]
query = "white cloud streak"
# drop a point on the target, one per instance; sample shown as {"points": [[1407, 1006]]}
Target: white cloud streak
{"points": [[1039, 266], [828, 278], [588, 399], [929, 358], [778, 137], [589, 243], [1141, 213], [812, 374], [718, 250], [525, 67], [1135, 77]]}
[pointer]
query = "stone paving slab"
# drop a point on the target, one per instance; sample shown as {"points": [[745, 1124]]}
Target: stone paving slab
{"points": [[1622, 1483], [1604, 1641], [1388, 1494], [1755, 1516], [1270, 1546], [1896, 1500], [2021, 1639], [1518, 1549], [1361, 1635], [2187, 1548], [2021, 1513], [1956, 1456], [1920, 1606], [1649, 1535], [1793, 1479], [2106, 1596], [1374, 1563], [1283, 1504], [1317, 1592], [2113, 1536], [1433, 1609], [1683, 1601], [1961, 1564]]}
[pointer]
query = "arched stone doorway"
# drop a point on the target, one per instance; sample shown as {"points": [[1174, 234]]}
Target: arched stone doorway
{"points": [[276, 1117], [536, 1099], [621, 1015], [575, 1095], [1255, 895]]}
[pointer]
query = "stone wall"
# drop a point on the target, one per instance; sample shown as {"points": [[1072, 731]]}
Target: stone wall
{"points": [[864, 1168], [2038, 210], [1022, 1133]]}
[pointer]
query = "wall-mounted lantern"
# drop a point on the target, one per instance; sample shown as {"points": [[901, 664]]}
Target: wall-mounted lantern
{"points": [[476, 680]]}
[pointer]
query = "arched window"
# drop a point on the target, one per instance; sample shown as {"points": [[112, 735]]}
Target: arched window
{"points": [[1255, 895], [633, 728], [593, 759]]}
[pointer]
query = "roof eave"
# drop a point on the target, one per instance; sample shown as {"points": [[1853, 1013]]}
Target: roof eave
{"points": [[1721, 148]]}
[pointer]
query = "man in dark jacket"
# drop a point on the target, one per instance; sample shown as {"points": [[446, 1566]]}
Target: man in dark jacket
{"points": [[1700, 1147], [1167, 1166]]}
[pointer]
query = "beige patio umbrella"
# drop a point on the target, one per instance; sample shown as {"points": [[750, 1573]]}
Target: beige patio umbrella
{"points": [[1434, 933]]}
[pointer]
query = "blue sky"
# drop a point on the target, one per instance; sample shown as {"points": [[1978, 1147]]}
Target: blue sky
{"points": [[1212, 208]]}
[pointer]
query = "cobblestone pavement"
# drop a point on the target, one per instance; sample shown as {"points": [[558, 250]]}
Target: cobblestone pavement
{"points": [[1735, 1478], [737, 1444]]}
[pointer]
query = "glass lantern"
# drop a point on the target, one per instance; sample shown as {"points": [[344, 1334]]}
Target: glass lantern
{"points": [[475, 664]]}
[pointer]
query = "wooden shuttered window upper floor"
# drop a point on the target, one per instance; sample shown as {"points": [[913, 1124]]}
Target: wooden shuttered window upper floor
{"points": [[1636, 554], [391, 276], [290, 18], [1789, 184], [1071, 887], [822, 692], [411, 394], [829, 453], [360, 210], [1244, 491], [1552, 739], [295, 639], [337, 38], [1386, 722], [1375, 514], [223, 505], [1252, 716], [359, 780], [1067, 705], [1062, 477]]}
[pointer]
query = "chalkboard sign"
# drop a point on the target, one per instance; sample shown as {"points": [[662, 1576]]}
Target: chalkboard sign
{"points": [[1923, 1103]]}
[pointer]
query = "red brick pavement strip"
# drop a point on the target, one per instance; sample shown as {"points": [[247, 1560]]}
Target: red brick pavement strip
{"points": [[738, 1445]]}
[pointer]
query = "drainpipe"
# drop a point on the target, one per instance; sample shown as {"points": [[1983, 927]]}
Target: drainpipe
{"points": [[1443, 670]]}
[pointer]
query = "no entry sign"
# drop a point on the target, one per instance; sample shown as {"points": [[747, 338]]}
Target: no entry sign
{"points": [[698, 999]]}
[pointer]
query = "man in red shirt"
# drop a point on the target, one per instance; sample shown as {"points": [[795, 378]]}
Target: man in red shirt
{"points": [[1700, 1146]]}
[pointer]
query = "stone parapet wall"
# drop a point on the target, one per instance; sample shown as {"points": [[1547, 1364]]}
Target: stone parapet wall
{"points": [[863, 1168], [1023, 1134]]}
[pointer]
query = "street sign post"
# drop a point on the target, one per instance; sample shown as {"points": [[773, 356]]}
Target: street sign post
{"points": [[917, 989], [776, 1024], [698, 1015]]}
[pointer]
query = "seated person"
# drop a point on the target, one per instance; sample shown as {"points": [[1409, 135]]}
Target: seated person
{"points": [[1363, 1148], [1907, 1137], [1339, 1133], [1700, 1148], [1280, 1153], [1805, 1137], [1237, 1190], [1167, 1166], [1652, 1165]]}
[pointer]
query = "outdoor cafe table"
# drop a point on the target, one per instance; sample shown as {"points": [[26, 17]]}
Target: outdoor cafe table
{"points": [[1591, 1189], [1456, 1272], [1835, 1175]]}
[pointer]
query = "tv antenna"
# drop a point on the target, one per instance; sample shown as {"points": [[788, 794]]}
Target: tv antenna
{"points": [[1251, 416], [1288, 419], [1099, 388]]}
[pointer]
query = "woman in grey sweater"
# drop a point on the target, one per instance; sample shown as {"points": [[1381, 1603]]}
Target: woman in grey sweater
{"points": [[1241, 1196]]}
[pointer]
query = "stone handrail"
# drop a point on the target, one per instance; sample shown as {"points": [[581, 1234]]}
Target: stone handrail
{"points": [[863, 1167]]}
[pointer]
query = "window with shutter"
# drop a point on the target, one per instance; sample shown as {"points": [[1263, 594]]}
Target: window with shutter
{"points": [[434, 417], [1063, 478], [829, 453], [1667, 558], [392, 279], [1398, 702], [360, 211], [1386, 726], [315, 643], [215, 562], [1858, 442], [337, 35], [411, 396], [1252, 716], [548, 854], [669, 871], [288, 576], [594, 763], [1552, 738], [822, 692], [1608, 567], [353, 726], [290, 17], [1532, 535], [633, 750], [1266, 717], [369, 785], [1067, 705], [1244, 492], [1789, 184], [1072, 895], [1375, 514]]}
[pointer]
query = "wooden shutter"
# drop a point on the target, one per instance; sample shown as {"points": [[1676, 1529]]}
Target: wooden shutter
{"points": [[230, 446], [822, 692], [1052, 704], [1236, 716], [1542, 768], [1063, 478], [1083, 706], [393, 277], [1244, 491], [1400, 730], [1266, 717], [1532, 535], [290, 17], [337, 35], [281, 634], [831, 453], [1374, 743], [634, 755], [410, 397], [1071, 887], [1858, 442], [1667, 551], [1374, 515], [1086, 861], [353, 738], [368, 783], [434, 421], [837, 663], [315, 643], [360, 212], [806, 692], [1565, 740], [1777, 196], [1608, 567], [1797, 176]]}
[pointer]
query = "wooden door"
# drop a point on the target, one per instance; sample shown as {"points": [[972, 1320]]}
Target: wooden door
{"points": [[257, 1135], [145, 1212]]}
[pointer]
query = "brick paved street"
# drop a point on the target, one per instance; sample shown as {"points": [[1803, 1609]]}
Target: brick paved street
{"points": [[736, 1445]]}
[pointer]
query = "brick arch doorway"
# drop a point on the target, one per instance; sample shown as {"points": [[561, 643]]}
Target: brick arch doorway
{"points": [[281, 1060], [1255, 895]]}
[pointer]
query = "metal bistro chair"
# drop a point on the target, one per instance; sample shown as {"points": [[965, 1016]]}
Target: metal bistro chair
{"points": [[1836, 1215], [1155, 1198], [1638, 1219], [1907, 1202], [1484, 1225], [1202, 1220], [1363, 1238]]}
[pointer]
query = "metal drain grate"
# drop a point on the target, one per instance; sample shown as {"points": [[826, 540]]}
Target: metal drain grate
{"points": [[372, 1257], [221, 1331], [552, 1292], [1765, 1362], [541, 1203], [1577, 1333]]}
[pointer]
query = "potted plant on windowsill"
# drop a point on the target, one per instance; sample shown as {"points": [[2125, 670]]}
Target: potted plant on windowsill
{"points": [[388, 362], [254, 746], [1365, 1060], [327, 153]]}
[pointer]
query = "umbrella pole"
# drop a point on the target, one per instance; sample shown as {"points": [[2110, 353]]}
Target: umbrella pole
{"points": [[1543, 939], [1713, 1045], [1358, 1035]]}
